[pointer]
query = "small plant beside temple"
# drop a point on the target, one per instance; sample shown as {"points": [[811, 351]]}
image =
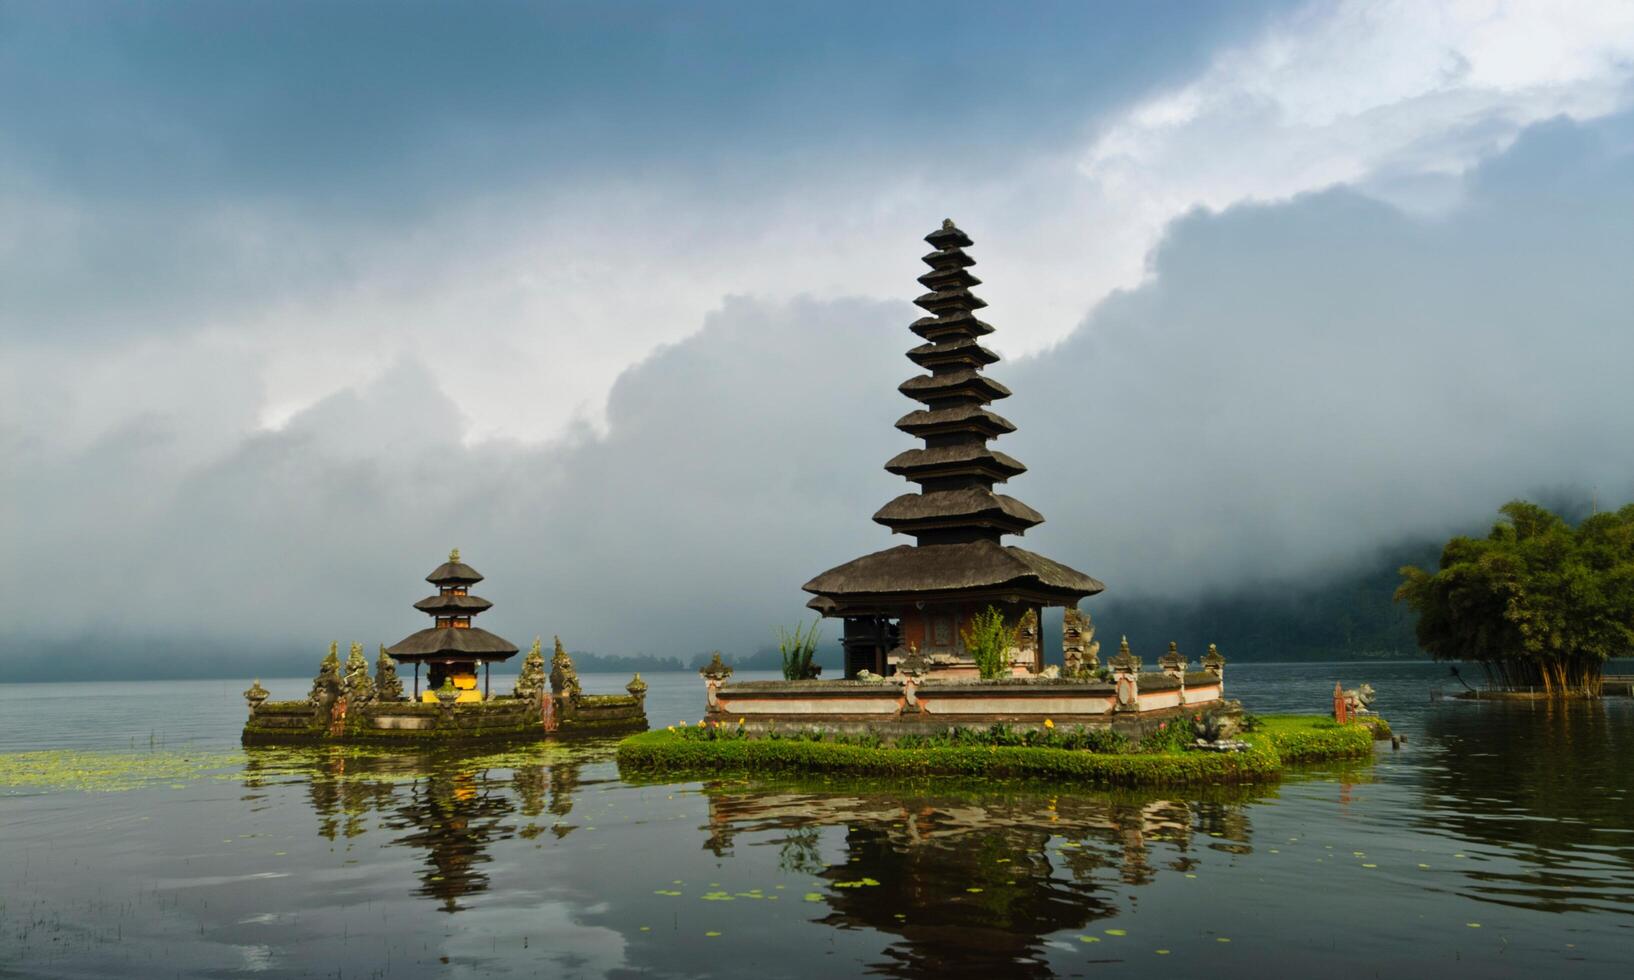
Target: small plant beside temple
{"points": [[988, 641], [1169, 736], [798, 650]]}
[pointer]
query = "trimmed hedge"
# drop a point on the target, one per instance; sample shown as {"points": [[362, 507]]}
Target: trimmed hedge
{"points": [[1283, 740]]}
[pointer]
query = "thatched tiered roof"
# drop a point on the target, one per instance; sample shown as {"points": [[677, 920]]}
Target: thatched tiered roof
{"points": [[956, 518], [453, 639]]}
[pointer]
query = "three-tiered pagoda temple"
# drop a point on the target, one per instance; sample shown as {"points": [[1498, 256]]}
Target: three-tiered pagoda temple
{"points": [[920, 596], [453, 649]]}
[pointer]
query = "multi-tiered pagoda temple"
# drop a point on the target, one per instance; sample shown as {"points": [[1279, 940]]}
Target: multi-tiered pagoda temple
{"points": [[920, 596], [453, 649]]}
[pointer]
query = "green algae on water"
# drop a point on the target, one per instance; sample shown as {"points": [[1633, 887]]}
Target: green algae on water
{"points": [[103, 772]]}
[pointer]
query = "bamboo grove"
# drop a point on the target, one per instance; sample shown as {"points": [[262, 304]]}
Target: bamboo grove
{"points": [[1539, 604]]}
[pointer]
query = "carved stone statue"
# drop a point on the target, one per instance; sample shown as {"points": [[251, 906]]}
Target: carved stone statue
{"points": [[327, 685], [448, 694], [1027, 639], [359, 686], [717, 669], [1079, 649], [1359, 700], [1213, 726], [1125, 660], [256, 694], [714, 674], [1173, 663], [564, 679], [1126, 676], [531, 680], [910, 662], [387, 685]]}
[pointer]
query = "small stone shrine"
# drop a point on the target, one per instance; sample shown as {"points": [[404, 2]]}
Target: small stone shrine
{"points": [[346, 704]]}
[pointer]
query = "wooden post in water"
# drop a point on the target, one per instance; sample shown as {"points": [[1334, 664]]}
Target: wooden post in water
{"points": [[416, 682]]}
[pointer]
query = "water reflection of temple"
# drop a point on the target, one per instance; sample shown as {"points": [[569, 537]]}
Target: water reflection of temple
{"points": [[972, 884], [453, 810]]}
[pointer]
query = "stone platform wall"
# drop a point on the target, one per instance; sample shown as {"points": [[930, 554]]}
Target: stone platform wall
{"points": [[409, 722], [1132, 703]]}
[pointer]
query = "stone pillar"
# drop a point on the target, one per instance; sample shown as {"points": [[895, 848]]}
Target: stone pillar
{"points": [[1215, 664], [911, 670], [1126, 675], [255, 695], [1079, 651], [1028, 650], [714, 674], [1173, 664]]}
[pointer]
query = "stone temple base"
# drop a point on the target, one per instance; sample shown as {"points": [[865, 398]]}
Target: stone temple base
{"points": [[411, 723]]}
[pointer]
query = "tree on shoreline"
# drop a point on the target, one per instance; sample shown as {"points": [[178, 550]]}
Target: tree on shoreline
{"points": [[1539, 604]]}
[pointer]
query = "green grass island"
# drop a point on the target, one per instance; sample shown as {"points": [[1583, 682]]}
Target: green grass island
{"points": [[1167, 756]]}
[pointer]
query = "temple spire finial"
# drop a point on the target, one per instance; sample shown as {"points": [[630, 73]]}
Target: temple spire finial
{"points": [[453, 554]]}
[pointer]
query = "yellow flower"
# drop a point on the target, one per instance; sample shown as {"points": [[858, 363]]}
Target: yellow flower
{"points": [[740, 722], [700, 723], [1048, 723]]}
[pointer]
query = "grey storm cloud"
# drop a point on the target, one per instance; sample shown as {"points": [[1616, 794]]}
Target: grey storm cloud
{"points": [[1295, 383], [175, 166]]}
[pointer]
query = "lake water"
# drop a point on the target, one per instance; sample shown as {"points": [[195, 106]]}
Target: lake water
{"points": [[138, 840]]}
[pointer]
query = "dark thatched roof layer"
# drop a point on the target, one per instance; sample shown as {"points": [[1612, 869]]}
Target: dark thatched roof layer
{"points": [[963, 418], [453, 604], [965, 350], [436, 643], [931, 327], [956, 277], [940, 568], [949, 299], [948, 236], [953, 460], [454, 573], [971, 506], [958, 519], [947, 258], [927, 387]]}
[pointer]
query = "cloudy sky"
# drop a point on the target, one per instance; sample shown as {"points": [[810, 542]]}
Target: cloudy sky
{"points": [[295, 297]]}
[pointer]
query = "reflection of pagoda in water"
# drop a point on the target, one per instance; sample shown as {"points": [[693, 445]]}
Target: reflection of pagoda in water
{"points": [[454, 817], [971, 885], [453, 811]]}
